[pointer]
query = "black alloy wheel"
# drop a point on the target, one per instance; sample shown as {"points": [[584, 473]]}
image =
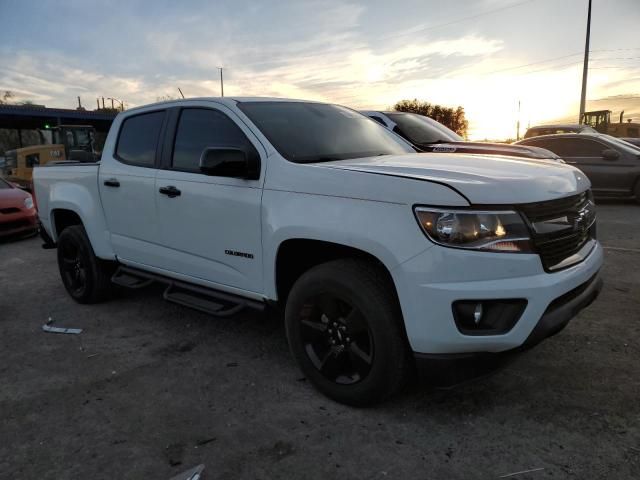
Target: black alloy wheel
{"points": [[73, 269], [345, 329], [86, 277]]}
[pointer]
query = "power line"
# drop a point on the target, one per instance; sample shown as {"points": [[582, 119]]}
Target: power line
{"points": [[615, 49], [414, 31], [517, 67]]}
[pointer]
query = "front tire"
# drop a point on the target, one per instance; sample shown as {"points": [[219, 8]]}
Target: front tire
{"points": [[344, 327], [86, 277]]}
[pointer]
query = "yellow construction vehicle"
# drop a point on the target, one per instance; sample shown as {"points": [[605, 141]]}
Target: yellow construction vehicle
{"points": [[601, 121], [68, 142]]}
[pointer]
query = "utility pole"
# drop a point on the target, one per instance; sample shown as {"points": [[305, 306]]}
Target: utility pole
{"points": [[585, 68], [518, 123], [119, 101], [221, 83]]}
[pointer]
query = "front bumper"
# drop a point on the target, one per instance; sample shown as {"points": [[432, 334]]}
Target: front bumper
{"points": [[18, 223], [449, 370], [429, 284]]}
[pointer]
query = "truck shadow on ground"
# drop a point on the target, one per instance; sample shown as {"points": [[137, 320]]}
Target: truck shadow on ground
{"points": [[262, 334]]}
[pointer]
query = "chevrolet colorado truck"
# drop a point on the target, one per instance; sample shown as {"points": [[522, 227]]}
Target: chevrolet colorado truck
{"points": [[381, 257]]}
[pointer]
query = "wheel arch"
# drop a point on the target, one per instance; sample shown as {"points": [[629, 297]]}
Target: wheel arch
{"points": [[297, 255], [62, 218]]}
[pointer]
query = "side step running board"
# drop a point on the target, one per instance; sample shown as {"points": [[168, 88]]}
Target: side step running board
{"points": [[203, 302], [214, 302], [130, 280]]}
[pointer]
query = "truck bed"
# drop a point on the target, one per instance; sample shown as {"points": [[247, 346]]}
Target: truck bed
{"points": [[56, 184]]}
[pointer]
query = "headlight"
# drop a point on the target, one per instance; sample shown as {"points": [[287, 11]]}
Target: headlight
{"points": [[478, 230], [28, 203]]}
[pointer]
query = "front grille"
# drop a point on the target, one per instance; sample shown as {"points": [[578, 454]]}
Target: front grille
{"points": [[7, 226], [560, 228], [554, 208], [9, 210]]}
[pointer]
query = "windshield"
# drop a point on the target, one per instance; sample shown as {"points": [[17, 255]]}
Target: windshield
{"points": [[624, 144], [11, 159], [419, 129], [315, 132]]}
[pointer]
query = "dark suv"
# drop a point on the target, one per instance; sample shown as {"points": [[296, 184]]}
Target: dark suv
{"points": [[427, 135], [612, 165], [558, 128]]}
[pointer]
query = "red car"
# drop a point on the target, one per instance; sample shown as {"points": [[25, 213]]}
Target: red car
{"points": [[17, 211]]}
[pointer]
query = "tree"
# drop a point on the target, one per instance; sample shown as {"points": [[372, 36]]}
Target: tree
{"points": [[453, 118], [6, 97]]}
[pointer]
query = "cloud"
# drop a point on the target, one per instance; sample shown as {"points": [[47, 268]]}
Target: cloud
{"points": [[347, 52]]}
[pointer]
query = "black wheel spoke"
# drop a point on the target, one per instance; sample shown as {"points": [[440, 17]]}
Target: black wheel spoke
{"points": [[318, 327], [355, 322], [68, 263], [337, 339], [359, 356], [330, 364], [329, 306], [82, 276]]}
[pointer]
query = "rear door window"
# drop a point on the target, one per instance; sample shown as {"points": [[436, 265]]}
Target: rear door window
{"points": [[571, 147], [138, 139]]}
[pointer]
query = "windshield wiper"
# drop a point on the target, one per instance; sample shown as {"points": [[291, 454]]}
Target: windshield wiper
{"points": [[336, 158], [435, 142], [320, 159]]}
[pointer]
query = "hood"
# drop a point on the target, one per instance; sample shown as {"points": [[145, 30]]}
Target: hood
{"points": [[12, 197], [489, 149], [489, 180]]}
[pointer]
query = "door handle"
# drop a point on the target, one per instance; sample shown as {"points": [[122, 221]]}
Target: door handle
{"points": [[112, 182], [170, 191]]}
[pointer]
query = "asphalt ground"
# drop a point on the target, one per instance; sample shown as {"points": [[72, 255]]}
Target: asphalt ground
{"points": [[150, 389]]}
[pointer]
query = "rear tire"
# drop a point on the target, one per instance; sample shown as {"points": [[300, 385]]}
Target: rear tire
{"points": [[344, 327], [86, 277]]}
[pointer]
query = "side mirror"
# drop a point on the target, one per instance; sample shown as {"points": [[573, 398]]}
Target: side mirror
{"points": [[230, 162], [610, 154]]}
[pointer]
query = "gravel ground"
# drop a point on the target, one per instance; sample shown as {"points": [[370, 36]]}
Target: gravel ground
{"points": [[150, 389]]}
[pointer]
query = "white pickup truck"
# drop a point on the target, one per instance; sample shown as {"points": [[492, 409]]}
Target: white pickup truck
{"points": [[381, 257]]}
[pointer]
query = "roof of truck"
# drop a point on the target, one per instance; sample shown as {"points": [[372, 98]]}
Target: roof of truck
{"points": [[223, 100]]}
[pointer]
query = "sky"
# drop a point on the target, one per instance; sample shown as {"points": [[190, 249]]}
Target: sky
{"points": [[485, 55]]}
